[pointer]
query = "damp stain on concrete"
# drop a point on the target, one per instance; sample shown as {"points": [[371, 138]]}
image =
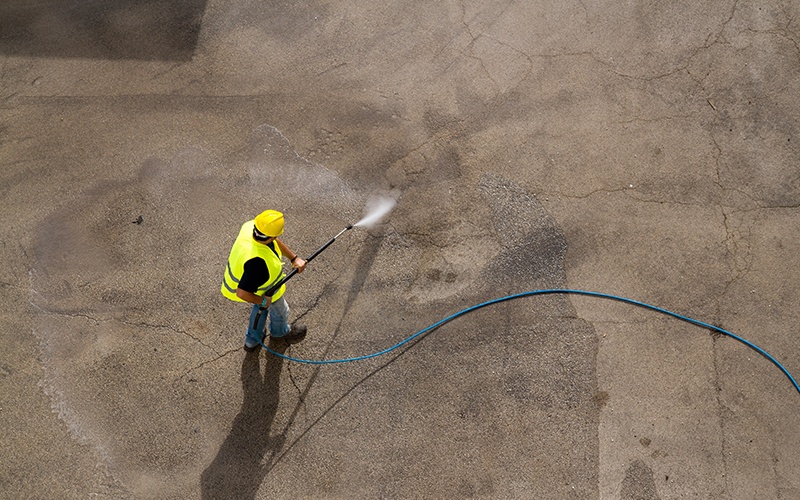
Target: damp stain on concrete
{"points": [[639, 483]]}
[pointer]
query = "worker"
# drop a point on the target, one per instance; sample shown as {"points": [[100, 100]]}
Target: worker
{"points": [[254, 267]]}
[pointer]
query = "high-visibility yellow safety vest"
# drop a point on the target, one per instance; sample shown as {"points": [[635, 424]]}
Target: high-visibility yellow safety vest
{"points": [[244, 249]]}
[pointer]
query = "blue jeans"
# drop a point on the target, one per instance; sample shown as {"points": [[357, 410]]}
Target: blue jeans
{"points": [[278, 313]]}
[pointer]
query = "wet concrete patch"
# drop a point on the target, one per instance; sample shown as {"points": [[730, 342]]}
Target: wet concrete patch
{"points": [[105, 291]]}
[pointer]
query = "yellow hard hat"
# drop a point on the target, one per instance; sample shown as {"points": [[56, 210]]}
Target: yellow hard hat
{"points": [[269, 223]]}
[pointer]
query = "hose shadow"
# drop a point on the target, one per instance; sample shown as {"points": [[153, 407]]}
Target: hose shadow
{"points": [[247, 454], [279, 458]]}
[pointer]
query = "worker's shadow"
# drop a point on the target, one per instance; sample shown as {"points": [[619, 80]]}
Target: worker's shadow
{"points": [[246, 456]]}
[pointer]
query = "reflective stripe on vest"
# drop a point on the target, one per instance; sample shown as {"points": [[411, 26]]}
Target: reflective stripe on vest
{"points": [[244, 249]]}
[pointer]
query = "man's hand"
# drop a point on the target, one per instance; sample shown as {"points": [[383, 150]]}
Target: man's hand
{"points": [[299, 264]]}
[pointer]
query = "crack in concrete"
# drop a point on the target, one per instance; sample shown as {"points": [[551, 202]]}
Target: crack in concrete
{"points": [[204, 363], [467, 51], [784, 33], [738, 248], [67, 315], [712, 39], [136, 325], [627, 190], [300, 397], [98, 321], [434, 140], [474, 39], [775, 207], [652, 120], [721, 409], [315, 303], [737, 244], [142, 324]]}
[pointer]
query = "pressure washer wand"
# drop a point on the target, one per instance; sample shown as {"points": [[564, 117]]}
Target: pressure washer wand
{"points": [[318, 251]]}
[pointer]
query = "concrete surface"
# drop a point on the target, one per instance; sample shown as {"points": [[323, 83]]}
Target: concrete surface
{"points": [[645, 149]]}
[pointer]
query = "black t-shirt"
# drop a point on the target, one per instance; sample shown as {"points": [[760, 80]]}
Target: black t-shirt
{"points": [[256, 273]]}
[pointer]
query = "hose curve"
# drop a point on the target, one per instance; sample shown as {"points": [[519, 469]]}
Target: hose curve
{"points": [[545, 292]]}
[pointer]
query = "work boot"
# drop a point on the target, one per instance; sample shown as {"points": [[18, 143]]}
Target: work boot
{"points": [[296, 334]]}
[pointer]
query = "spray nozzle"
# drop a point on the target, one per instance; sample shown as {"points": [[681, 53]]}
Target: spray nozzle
{"points": [[349, 226]]}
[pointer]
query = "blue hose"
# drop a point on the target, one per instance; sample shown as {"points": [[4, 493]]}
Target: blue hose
{"points": [[544, 292]]}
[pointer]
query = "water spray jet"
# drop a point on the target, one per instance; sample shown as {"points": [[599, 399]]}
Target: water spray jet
{"points": [[376, 209]]}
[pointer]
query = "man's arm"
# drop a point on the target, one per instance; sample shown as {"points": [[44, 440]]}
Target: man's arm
{"points": [[297, 262], [253, 298]]}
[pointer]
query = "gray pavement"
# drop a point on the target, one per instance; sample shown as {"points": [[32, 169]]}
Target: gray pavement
{"points": [[648, 150]]}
